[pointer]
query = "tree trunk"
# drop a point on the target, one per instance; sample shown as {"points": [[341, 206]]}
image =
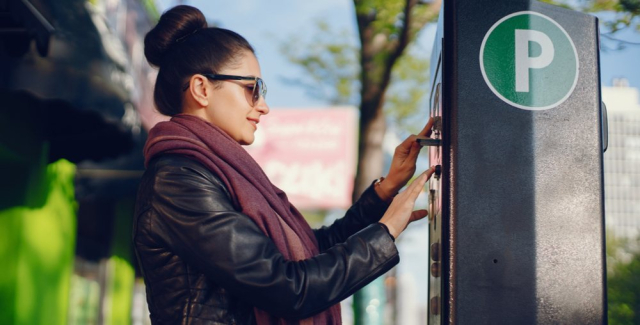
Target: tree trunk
{"points": [[379, 51], [370, 157]]}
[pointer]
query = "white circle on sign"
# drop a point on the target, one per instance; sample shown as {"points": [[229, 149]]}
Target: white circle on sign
{"points": [[519, 77]]}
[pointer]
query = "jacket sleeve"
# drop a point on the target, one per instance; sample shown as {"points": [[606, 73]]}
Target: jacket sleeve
{"points": [[197, 221], [367, 210]]}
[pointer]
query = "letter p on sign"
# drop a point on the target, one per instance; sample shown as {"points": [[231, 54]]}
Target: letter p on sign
{"points": [[529, 61], [524, 62]]}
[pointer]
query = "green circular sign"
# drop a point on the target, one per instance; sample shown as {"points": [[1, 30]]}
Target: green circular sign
{"points": [[529, 61]]}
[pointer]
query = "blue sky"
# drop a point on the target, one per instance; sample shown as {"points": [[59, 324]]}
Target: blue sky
{"points": [[622, 63], [267, 24]]}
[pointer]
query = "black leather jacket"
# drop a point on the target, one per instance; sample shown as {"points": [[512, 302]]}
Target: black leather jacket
{"points": [[205, 263]]}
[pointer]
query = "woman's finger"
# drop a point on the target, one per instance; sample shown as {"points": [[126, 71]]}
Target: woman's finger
{"points": [[426, 174], [427, 128], [406, 145], [416, 187], [415, 150], [418, 214]]}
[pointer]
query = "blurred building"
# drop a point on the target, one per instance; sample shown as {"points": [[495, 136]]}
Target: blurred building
{"points": [[75, 93], [622, 160]]}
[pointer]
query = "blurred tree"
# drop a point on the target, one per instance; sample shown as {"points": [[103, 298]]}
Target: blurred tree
{"points": [[344, 71], [625, 14], [385, 28], [329, 60], [623, 284]]}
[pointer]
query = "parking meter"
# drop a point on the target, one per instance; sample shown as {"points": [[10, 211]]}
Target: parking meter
{"points": [[516, 204]]}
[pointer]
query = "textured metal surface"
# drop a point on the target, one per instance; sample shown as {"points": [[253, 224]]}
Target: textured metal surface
{"points": [[523, 228]]}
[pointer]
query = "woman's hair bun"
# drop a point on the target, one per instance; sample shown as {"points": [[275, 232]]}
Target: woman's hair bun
{"points": [[175, 24]]}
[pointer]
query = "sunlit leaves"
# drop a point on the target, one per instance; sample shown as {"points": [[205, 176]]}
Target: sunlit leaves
{"points": [[329, 59], [406, 104], [623, 283], [625, 13]]}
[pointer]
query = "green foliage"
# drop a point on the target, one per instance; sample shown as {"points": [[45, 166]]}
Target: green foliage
{"points": [[151, 9], [557, 3], [333, 60], [623, 282], [387, 13], [626, 13], [390, 15], [315, 218], [386, 28], [329, 60], [406, 104]]}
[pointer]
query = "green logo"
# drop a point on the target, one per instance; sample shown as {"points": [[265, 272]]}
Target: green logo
{"points": [[529, 61]]}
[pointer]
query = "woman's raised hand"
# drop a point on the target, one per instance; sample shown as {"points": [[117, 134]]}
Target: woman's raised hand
{"points": [[403, 164], [400, 213]]}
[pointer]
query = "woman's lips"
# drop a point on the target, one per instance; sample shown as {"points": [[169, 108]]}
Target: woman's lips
{"points": [[254, 123]]}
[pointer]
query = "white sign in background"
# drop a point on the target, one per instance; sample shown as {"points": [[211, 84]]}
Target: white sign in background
{"points": [[310, 154]]}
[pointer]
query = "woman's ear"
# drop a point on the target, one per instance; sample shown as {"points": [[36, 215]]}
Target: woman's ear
{"points": [[199, 90]]}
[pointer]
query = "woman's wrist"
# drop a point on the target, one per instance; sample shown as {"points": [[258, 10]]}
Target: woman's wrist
{"points": [[386, 228], [389, 227], [384, 189], [390, 187]]}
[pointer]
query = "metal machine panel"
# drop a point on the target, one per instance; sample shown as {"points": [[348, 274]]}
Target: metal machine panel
{"points": [[520, 232]]}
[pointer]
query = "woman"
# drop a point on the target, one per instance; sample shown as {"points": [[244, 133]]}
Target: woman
{"points": [[216, 241]]}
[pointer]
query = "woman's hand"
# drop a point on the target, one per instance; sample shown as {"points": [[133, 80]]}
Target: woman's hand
{"points": [[403, 164], [400, 213]]}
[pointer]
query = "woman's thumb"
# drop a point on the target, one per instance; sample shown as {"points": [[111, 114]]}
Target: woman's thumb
{"points": [[418, 214]]}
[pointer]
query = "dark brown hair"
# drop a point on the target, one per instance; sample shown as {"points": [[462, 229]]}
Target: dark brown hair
{"points": [[182, 45]]}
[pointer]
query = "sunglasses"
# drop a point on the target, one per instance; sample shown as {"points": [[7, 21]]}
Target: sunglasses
{"points": [[259, 88]]}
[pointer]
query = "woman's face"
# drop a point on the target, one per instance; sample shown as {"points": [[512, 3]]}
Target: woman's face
{"points": [[230, 107]]}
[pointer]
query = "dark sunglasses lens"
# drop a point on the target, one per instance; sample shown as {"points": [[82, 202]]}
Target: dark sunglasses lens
{"points": [[257, 89]]}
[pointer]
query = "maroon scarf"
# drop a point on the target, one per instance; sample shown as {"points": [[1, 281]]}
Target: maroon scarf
{"points": [[251, 191]]}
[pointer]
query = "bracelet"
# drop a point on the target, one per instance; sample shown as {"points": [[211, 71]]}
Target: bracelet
{"points": [[378, 183]]}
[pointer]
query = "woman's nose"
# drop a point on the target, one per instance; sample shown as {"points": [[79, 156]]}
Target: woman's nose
{"points": [[262, 107]]}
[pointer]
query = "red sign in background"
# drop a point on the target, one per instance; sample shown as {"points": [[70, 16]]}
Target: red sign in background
{"points": [[310, 154]]}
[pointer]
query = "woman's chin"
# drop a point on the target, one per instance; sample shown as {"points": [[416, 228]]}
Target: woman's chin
{"points": [[247, 142]]}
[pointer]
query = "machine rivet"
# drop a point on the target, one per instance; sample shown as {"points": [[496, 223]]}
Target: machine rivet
{"points": [[435, 269], [435, 251], [434, 305]]}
